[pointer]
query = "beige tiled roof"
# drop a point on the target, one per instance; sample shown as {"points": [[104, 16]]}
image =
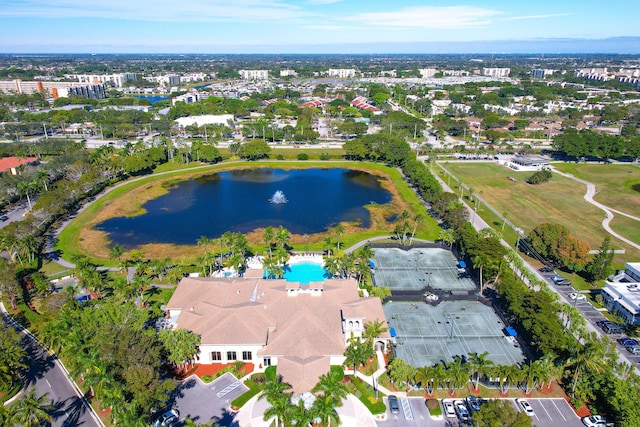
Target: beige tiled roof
{"points": [[302, 330], [302, 375]]}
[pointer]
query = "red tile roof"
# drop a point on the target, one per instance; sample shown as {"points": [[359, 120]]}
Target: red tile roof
{"points": [[7, 163]]}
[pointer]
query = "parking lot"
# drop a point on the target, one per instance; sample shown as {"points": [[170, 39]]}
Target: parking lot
{"points": [[205, 402], [591, 315], [547, 413]]}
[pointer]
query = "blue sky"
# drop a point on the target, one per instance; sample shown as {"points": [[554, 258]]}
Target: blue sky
{"points": [[281, 26]]}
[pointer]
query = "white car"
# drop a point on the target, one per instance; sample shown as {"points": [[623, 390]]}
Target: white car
{"points": [[449, 409], [594, 421], [577, 296], [525, 406]]}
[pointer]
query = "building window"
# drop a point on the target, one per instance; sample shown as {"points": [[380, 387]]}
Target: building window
{"points": [[231, 355], [216, 355], [246, 355], [267, 361]]}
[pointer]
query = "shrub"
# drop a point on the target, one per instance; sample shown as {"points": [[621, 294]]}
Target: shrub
{"points": [[280, 157], [325, 156], [302, 156], [434, 407], [540, 177]]}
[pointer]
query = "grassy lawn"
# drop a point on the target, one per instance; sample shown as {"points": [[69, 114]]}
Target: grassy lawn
{"points": [[366, 394], [558, 201], [53, 270], [613, 183], [626, 227], [79, 237]]}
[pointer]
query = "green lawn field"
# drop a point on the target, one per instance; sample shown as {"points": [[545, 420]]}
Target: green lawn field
{"points": [[558, 201], [614, 183]]}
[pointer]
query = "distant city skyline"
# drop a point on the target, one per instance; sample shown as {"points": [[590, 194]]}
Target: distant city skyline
{"points": [[317, 26]]}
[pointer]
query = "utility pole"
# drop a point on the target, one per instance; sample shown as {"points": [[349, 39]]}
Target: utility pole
{"points": [[46, 136]]}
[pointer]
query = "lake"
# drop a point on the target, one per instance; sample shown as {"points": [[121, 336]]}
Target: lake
{"points": [[239, 200]]}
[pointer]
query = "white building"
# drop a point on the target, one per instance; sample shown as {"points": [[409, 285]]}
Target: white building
{"points": [[118, 80], [287, 73], [254, 74], [342, 73], [622, 294], [427, 72], [301, 329], [206, 119], [496, 72]]}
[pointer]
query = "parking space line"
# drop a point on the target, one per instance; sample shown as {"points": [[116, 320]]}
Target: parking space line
{"points": [[561, 414], [545, 410]]}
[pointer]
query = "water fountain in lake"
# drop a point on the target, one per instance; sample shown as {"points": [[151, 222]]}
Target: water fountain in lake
{"points": [[278, 198]]}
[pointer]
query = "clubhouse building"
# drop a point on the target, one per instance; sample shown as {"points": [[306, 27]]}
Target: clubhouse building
{"points": [[303, 329], [622, 294]]}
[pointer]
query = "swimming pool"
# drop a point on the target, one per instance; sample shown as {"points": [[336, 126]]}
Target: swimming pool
{"points": [[305, 272]]}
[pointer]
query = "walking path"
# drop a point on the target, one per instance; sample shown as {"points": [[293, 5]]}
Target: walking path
{"points": [[609, 212]]}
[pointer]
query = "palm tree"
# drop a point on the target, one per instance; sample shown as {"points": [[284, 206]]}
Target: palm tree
{"points": [[457, 374], [276, 393], [339, 232], [503, 373], [426, 376], [11, 357], [332, 265], [479, 366], [418, 219], [548, 370], [587, 357], [373, 330], [324, 411], [439, 375], [331, 387], [204, 241], [448, 236], [504, 219], [531, 376], [268, 237], [481, 260], [328, 243], [32, 410], [282, 237], [115, 252]]}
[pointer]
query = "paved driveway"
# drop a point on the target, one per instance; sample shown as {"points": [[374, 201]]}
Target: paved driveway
{"points": [[205, 402]]}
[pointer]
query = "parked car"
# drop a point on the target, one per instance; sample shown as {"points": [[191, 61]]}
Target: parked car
{"points": [[525, 406], [473, 403], [3, 218], [594, 421], [557, 279], [601, 323], [394, 406], [167, 419], [546, 270], [626, 341], [633, 349], [612, 328], [448, 408], [462, 411], [577, 296]]}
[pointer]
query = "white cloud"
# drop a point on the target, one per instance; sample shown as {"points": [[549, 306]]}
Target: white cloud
{"points": [[324, 1], [550, 15], [156, 10], [428, 17]]}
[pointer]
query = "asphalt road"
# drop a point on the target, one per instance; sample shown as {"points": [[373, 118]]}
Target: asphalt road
{"points": [[46, 375], [15, 212]]}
